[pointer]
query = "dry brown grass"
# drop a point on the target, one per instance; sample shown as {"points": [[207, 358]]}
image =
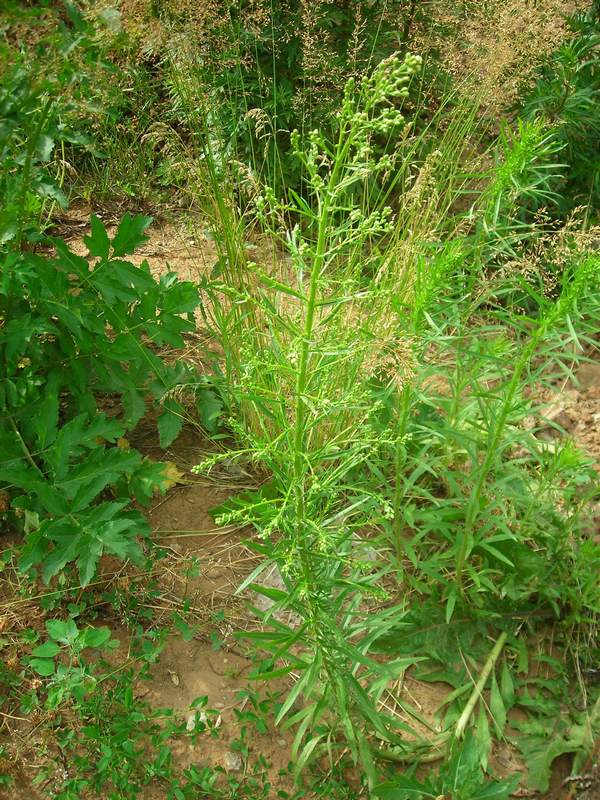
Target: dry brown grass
{"points": [[494, 47]]}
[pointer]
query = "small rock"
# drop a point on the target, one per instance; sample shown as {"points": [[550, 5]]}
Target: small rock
{"points": [[281, 742], [194, 717], [273, 579], [588, 375], [557, 413], [233, 761], [174, 677]]}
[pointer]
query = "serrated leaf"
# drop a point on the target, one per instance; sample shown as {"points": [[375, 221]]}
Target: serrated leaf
{"points": [[130, 234], [148, 479], [77, 435], [450, 605], [88, 561], [63, 552], [209, 407], [539, 753], [43, 425], [98, 242], [127, 274], [134, 406], [171, 475], [170, 422], [86, 480]]}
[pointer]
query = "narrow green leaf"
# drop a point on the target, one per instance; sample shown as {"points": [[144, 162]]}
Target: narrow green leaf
{"points": [[497, 707], [483, 736], [507, 686]]}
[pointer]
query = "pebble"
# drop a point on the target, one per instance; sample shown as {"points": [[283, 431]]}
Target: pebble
{"points": [[200, 716], [233, 761], [192, 718]]}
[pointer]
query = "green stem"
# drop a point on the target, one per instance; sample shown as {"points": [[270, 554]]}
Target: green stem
{"points": [[31, 145], [344, 143], [401, 425], [474, 503], [24, 447], [480, 685]]}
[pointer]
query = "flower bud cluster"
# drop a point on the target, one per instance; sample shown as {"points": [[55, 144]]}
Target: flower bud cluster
{"points": [[387, 120], [390, 79], [267, 205], [376, 223]]}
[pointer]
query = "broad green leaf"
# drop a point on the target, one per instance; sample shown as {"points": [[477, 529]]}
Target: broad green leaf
{"points": [[43, 666], [95, 637], [209, 408], [51, 191], [97, 243], [44, 147], [539, 753], [46, 650], [130, 234], [62, 630]]}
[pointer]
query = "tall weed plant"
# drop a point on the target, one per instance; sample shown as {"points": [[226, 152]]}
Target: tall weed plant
{"points": [[325, 347], [325, 344]]}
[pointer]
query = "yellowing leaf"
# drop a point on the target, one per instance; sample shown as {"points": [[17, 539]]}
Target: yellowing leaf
{"points": [[171, 474]]}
